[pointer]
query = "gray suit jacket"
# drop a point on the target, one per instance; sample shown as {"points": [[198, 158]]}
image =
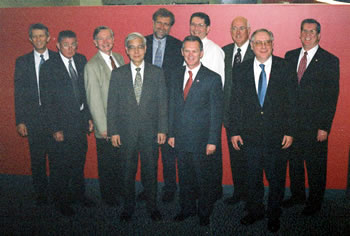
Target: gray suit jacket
{"points": [[228, 49], [130, 120], [96, 77]]}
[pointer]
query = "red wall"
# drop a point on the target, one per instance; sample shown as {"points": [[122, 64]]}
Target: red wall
{"points": [[282, 20]]}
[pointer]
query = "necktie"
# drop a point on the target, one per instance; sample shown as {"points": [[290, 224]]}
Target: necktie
{"points": [[262, 85], [188, 85], [74, 77], [158, 56], [238, 57], [112, 63], [42, 60], [302, 66], [138, 85]]}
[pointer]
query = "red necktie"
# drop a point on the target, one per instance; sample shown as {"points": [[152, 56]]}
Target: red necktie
{"points": [[188, 85], [302, 66], [112, 63]]}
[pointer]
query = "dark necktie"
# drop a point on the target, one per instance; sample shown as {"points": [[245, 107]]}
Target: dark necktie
{"points": [[74, 77], [262, 85], [112, 63], [302, 66], [238, 57], [158, 57], [138, 85], [188, 85], [42, 60]]}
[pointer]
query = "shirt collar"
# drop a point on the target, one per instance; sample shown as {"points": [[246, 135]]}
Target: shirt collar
{"points": [[133, 66]]}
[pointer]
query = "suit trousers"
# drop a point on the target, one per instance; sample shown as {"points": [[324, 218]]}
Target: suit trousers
{"points": [[315, 156], [197, 181], [238, 170], [67, 168], [129, 154], [271, 160], [169, 168], [109, 170]]}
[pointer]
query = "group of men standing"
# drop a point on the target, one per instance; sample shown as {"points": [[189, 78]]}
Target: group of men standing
{"points": [[176, 95]]}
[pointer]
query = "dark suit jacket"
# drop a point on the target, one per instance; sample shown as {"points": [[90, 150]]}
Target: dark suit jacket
{"points": [[317, 92], [172, 55], [63, 111], [129, 120], [228, 49], [196, 122], [266, 125], [27, 108]]}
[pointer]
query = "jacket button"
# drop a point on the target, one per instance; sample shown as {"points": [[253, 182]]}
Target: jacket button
{"points": [[262, 113]]}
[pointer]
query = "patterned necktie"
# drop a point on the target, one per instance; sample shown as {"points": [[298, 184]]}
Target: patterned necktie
{"points": [[138, 85], [74, 77], [262, 85], [158, 57], [112, 63], [302, 66], [238, 57], [188, 85], [42, 60]]}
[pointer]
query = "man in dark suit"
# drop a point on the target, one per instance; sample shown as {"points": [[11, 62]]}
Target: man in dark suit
{"points": [[97, 74], [137, 121], [29, 114], [68, 120], [235, 54], [261, 125], [195, 118], [164, 51], [317, 95]]}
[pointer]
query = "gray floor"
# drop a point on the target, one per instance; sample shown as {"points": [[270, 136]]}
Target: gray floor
{"points": [[20, 216]]}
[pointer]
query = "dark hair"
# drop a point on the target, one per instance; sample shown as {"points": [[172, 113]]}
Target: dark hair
{"points": [[311, 21], [99, 28], [66, 34], [191, 38], [201, 15], [38, 26], [162, 12]]}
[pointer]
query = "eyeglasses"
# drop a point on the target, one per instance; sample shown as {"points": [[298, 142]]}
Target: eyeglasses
{"points": [[194, 25], [266, 43], [242, 28], [140, 47], [312, 32], [67, 45]]}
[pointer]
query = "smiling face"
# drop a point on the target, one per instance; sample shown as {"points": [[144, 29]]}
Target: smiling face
{"points": [[262, 46], [240, 31], [161, 27], [199, 28], [104, 41], [39, 40], [309, 36], [68, 47], [192, 53]]}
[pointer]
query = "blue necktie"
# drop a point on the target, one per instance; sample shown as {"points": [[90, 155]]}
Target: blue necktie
{"points": [[158, 57], [262, 85]]}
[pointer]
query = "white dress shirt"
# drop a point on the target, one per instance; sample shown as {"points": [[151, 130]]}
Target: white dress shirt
{"points": [[133, 70], [108, 60], [187, 75], [243, 48], [257, 71], [310, 54]]}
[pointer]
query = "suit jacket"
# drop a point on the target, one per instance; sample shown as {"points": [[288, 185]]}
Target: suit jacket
{"points": [[97, 76], [27, 108], [197, 121], [172, 55], [268, 124], [228, 49], [63, 111], [317, 92], [132, 121]]}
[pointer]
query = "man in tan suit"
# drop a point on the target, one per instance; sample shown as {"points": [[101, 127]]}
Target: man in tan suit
{"points": [[97, 75]]}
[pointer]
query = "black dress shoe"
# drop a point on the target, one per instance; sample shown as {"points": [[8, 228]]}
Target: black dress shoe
{"points": [[232, 200], [142, 196], [65, 209], [168, 196], [181, 216], [204, 221], [311, 210], [86, 202], [251, 219], [156, 216], [292, 202], [273, 225], [125, 217]]}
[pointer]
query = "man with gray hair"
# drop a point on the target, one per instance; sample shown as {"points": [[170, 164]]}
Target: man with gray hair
{"points": [[97, 74], [262, 125], [137, 122]]}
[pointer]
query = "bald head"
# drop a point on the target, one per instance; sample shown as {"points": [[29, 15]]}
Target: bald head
{"points": [[240, 30]]}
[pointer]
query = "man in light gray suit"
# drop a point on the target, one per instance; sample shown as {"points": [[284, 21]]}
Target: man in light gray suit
{"points": [[97, 75], [137, 121]]}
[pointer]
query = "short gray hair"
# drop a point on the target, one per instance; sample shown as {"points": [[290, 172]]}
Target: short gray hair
{"points": [[133, 36], [252, 38]]}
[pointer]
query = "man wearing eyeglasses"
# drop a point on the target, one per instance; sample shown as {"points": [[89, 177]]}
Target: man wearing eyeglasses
{"points": [[236, 53], [68, 120], [137, 122], [261, 125], [318, 89], [164, 51]]}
